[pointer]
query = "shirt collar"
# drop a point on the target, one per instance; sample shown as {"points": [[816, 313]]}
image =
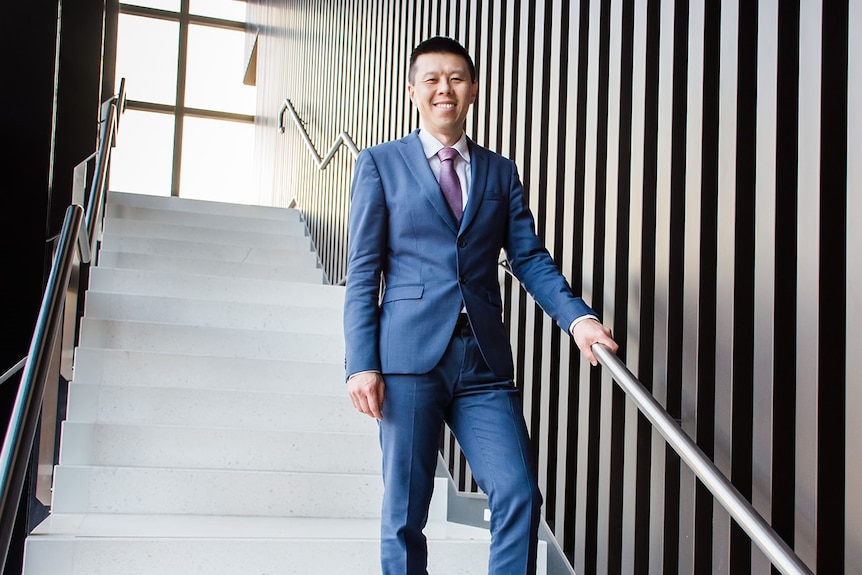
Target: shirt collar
{"points": [[432, 145]]}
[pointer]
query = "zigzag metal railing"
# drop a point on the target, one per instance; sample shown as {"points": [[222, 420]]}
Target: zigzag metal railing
{"points": [[342, 138]]}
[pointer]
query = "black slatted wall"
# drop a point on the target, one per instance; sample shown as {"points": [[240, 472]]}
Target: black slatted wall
{"points": [[694, 169]]}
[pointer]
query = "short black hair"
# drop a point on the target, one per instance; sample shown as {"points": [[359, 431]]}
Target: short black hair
{"points": [[441, 45]]}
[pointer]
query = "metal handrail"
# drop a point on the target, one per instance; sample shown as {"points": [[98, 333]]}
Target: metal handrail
{"points": [[342, 138], [74, 240], [18, 442], [760, 532], [746, 516]]}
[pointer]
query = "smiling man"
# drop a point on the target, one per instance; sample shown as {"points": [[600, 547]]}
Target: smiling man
{"points": [[425, 340]]}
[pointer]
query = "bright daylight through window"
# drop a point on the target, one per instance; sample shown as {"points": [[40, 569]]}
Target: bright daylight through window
{"points": [[188, 128]]}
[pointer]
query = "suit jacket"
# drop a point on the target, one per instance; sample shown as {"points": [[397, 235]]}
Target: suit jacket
{"points": [[410, 265]]}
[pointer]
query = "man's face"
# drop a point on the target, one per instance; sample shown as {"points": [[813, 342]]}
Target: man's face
{"points": [[442, 92]]}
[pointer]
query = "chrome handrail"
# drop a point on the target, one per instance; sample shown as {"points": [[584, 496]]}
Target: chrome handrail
{"points": [[746, 516], [342, 138], [96, 200], [742, 511], [78, 237], [18, 441]]}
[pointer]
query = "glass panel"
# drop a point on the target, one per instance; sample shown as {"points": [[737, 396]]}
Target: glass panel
{"points": [[216, 69], [225, 9], [217, 161], [142, 159], [147, 58], [172, 5]]}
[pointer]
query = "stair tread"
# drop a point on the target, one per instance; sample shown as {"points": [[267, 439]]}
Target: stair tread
{"points": [[113, 525], [290, 224], [212, 267], [166, 203], [212, 287], [158, 369]]}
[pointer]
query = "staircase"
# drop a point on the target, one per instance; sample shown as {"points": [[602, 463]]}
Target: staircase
{"points": [[208, 430]]}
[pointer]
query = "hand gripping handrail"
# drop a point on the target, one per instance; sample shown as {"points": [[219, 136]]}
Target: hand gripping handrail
{"points": [[743, 512], [343, 137], [746, 516]]}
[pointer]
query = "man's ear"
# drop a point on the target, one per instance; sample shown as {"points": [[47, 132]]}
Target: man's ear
{"points": [[475, 91], [410, 92]]}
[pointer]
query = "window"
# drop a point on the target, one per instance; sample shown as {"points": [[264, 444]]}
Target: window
{"points": [[188, 128]]}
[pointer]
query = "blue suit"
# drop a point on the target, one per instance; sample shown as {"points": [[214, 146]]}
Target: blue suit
{"points": [[411, 270]]}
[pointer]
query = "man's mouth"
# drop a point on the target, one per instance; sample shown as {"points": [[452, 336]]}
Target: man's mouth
{"points": [[445, 105]]}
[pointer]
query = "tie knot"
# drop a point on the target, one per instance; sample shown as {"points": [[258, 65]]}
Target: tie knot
{"points": [[447, 154]]}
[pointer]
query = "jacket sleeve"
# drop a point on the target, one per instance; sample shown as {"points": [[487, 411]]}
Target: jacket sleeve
{"points": [[366, 248], [533, 265]]}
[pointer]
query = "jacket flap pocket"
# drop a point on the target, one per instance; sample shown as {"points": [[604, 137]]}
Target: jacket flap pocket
{"points": [[394, 293]]}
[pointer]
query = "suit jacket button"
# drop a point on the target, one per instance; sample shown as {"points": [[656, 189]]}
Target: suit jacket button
{"points": [[462, 279], [462, 243]]}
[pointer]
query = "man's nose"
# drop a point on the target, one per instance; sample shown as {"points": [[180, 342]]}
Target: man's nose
{"points": [[444, 87]]}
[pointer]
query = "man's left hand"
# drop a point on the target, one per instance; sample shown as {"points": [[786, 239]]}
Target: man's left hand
{"points": [[588, 332]]}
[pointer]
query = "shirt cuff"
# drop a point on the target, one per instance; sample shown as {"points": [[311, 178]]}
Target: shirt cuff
{"points": [[352, 375]]}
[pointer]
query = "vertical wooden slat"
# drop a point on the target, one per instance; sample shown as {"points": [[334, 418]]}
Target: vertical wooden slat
{"points": [[807, 250], [607, 190], [568, 533], [725, 275], [764, 256], [635, 527], [665, 555], [691, 284], [853, 431]]}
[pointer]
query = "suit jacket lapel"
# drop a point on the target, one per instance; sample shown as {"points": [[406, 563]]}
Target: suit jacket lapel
{"points": [[479, 176], [417, 163]]}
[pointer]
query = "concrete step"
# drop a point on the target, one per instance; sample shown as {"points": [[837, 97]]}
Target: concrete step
{"points": [[203, 287], [195, 208], [221, 447], [214, 408], [240, 315], [114, 367], [290, 224], [144, 545], [118, 230], [89, 489], [296, 251], [212, 267], [196, 340]]}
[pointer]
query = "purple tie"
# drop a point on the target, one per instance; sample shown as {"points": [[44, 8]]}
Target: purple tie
{"points": [[449, 182]]}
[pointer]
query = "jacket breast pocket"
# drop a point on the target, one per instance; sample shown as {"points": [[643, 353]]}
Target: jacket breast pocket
{"points": [[402, 292]]}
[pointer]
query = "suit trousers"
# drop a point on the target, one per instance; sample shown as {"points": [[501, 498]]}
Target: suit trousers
{"points": [[486, 417]]}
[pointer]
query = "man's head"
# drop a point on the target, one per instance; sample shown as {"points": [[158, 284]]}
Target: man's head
{"points": [[442, 85], [440, 45]]}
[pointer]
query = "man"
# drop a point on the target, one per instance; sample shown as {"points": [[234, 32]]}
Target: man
{"points": [[425, 342]]}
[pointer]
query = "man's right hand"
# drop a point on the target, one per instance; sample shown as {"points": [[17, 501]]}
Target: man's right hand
{"points": [[366, 390]]}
